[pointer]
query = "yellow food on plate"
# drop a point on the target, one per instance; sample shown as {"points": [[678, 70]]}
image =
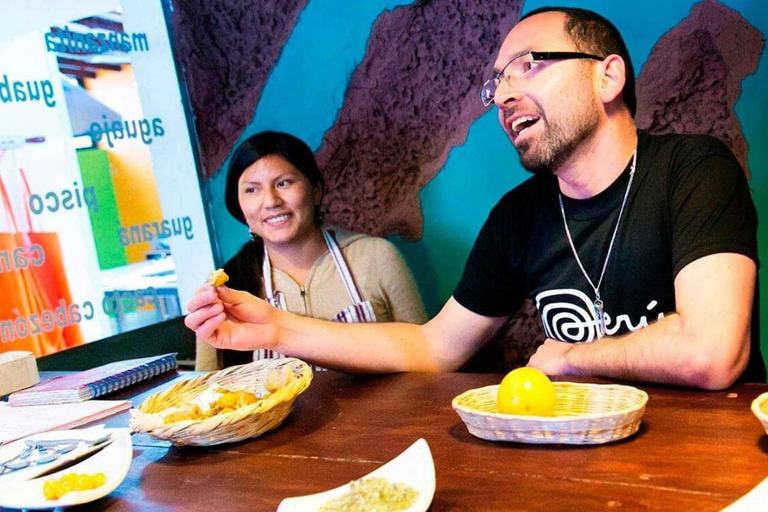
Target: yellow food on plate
{"points": [[527, 392], [277, 378], [55, 489], [218, 277]]}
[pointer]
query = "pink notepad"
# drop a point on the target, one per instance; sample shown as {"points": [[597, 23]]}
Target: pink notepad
{"points": [[82, 386]]}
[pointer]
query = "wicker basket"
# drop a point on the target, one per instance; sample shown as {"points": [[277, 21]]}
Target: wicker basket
{"points": [[584, 414], [245, 422], [760, 409]]}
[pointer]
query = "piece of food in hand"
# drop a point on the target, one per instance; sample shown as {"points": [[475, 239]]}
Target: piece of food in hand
{"points": [[55, 489], [528, 392], [278, 378], [218, 277]]}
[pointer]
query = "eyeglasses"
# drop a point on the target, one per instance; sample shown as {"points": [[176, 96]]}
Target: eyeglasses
{"points": [[520, 66]]}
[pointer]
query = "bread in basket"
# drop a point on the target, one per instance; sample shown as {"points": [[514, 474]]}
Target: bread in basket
{"points": [[584, 414], [243, 423], [760, 409]]}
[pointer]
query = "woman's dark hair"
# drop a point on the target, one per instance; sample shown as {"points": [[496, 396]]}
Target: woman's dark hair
{"points": [[594, 34], [256, 147]]}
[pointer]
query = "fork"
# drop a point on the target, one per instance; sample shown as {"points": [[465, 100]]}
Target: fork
{"points": [[18, 462], [54, 443]]}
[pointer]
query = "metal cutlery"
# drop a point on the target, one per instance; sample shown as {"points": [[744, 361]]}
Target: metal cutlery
{"points": [[59, 442], [48, 451]]}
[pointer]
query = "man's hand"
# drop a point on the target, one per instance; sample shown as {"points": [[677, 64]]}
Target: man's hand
{"points": [[232, 319], [704, 344], [551, 359]]}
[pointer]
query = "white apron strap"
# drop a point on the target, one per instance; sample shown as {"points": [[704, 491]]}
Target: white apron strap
{"points": [[343, 268], [276, 299], [361, 311]]}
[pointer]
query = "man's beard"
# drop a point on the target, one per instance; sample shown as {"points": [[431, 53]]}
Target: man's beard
{"points": [[560, 139]]}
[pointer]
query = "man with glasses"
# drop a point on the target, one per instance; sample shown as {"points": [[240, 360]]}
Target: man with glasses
{"points": [[639, 251]]}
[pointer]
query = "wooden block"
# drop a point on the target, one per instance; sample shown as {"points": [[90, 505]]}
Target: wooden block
{"points": [[18, 370]]}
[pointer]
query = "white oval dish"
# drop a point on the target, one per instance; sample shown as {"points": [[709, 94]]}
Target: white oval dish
{"points": [[413, 467], [114, 461]]}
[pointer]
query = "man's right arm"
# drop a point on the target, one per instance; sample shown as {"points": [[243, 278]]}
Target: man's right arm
{"points": [[237, 320]]}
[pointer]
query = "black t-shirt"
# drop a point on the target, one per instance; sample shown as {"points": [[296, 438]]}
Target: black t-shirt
{"points": [[689, 198]]}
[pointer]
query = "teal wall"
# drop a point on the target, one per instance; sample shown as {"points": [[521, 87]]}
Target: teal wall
{"points": [[329, 41]]}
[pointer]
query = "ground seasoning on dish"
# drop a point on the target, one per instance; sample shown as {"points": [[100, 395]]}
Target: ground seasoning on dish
{"points": [[373, 494]]}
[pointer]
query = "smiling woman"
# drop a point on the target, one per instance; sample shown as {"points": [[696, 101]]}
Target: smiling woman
{"points": [[293, 261]]}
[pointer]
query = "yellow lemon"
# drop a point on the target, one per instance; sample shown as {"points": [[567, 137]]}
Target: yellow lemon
{"points": [[526, 391]]}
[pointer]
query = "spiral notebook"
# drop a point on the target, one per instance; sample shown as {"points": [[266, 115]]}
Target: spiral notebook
{"points": [[82, 386]]}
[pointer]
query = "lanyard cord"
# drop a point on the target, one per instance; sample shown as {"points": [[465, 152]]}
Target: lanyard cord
{"points": [[613, 237]]}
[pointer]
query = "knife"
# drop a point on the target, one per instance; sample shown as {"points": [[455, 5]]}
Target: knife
{"points": [[71, 459]]}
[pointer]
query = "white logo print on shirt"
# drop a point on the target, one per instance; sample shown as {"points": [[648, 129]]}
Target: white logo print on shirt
{"points": [[569, 315]]}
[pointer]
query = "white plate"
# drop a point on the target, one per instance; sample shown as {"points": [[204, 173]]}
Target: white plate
{"points": [[753, 501], [413, 467], [114, 461]]}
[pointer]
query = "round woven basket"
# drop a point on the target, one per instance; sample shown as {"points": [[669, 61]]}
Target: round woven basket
{"points": [[584, 414], [760, 409], [243, 423]]}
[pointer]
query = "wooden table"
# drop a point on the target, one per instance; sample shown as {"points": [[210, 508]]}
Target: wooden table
{"points": [[694, 451]]}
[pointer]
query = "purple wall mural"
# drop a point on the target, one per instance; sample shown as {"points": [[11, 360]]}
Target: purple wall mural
{"points": [[692, 79], [227, 49]]}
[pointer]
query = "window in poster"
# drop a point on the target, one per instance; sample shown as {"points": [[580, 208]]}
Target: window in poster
{"points": [[102, 224]]}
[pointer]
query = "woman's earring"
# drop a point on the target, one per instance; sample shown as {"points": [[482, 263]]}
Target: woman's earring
{"points": [[254, 236]]}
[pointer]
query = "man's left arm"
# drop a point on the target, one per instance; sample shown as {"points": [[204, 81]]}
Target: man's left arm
{"points": [[704, 344]]}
